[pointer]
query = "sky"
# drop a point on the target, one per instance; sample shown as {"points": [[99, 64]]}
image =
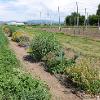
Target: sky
{"points": [[23, 10]]}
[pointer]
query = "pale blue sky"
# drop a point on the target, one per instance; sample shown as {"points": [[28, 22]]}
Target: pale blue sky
{"points": [[22, 10]]}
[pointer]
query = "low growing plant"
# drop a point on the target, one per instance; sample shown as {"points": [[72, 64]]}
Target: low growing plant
{"points": [[57, 64], [15, 84], [85, 76]]}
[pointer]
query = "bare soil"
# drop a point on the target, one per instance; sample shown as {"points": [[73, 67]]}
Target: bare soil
{"points": [[89, 32]]}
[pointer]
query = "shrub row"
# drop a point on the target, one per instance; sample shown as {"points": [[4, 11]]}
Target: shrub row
{"points": [[21, 37], [85, 76], [45, 47]]}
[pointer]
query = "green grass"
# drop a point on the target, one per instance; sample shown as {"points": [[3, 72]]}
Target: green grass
{"points": [[15, 84], [83, 45]]}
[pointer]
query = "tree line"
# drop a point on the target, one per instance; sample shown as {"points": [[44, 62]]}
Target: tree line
{"points": [[94, 19]]}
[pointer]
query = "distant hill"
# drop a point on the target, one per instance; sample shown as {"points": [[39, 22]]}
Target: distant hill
{"points": [[32, 22], [40, 22], [2, 22]]}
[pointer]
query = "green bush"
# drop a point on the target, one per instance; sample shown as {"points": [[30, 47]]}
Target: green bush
{"points": [[21, 37], [57, 64], [45, 47], [24, 41], [16, 35], [86, 76], [8, 29], [42, 44]]}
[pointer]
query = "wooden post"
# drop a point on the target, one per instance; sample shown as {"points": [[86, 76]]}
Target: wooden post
{"points": [[59, 18]]}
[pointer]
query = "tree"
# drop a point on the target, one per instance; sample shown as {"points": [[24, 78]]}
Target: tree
{"points": [[93, 20], [98, 14], [98, 11], [71, 19]]}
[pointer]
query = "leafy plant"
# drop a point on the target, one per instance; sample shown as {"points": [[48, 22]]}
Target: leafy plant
{"points": [[14, 83], [8, 30], [85, 76], [24, 41], [42, 44], [16, 35], [57, 64]]}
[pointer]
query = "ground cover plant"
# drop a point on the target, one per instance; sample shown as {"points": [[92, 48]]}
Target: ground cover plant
{"points": [[85, 75], [14, 83]]}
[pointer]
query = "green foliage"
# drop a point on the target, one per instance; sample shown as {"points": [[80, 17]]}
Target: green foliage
{"points": [[15, 84], [22, 87], [42, 44], [86, 76], [98, 11], [16, 35], [8, 30], [24, 41], [57, 64], [45, 47], [3, 40], [93, 19], [21, 37], [72, 19]]}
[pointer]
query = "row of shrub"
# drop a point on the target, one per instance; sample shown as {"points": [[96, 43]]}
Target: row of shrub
{"points": [[45, 47], [14, 83], [78, 69], [17, 35]]}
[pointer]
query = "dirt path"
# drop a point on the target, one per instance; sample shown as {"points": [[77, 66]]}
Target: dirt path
{"points": [[58, 91]]}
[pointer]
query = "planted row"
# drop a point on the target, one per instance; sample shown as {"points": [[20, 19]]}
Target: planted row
{"points": [[14, 83], [80, 70], [45, 47]]}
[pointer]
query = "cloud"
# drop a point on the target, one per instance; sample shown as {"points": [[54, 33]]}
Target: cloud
{"points": [[30, 9]]}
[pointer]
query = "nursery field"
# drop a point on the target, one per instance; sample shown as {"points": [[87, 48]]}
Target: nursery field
{"points": [[75, 58]]}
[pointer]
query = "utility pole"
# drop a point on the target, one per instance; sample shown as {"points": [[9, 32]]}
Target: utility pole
{"points": [[59, 17], [98, 23], [40, 19], [77, 15], [47, 18], [50, 21], [85, 20]]}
